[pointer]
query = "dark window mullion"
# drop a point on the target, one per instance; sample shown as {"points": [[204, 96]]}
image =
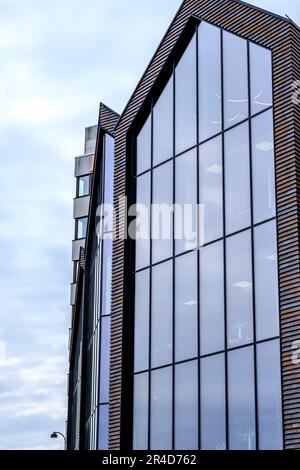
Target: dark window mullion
{"points": [[150, 287], [198, 239], [224, 247], [100, 283], [252, 251], [174, 260]]}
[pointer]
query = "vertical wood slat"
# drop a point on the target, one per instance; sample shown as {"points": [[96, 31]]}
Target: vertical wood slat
{"points": [[283, 38]]}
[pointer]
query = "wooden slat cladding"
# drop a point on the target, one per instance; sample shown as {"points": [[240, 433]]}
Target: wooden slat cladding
{"points": [[107, 119], [282, 36], [289, 256]]}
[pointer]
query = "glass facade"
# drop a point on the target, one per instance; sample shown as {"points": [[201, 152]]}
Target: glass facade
{"points": [[99, 313], [206, 315]]}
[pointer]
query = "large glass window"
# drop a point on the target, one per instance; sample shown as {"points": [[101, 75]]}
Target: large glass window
{"points": [[235, 61], [141, 329], [241, 399], [261, 78], [186, 303], [104, 360], [109, 169], [98, 274], [211, 298], [162, 314], [263, 167], [163, 125], [186, 101], [213, 403], [143, 150], [186, 202], [140, 412], [103, 427], [162, 213], [161, 409], [106, 276], [211, 190], [266, 281], [209, 80], [237, 179], [206, 296], [269, 396], [239, 290], [186, 406], [142, 244]]}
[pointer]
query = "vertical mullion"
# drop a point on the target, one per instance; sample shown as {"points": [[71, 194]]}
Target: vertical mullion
{"points": [[278, 262], [198, 239], [150, 287], [100, 279], [174, 260], [224, 241], [252, 251]]}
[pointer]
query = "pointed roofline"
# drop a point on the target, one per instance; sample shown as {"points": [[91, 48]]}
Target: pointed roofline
{"points": [[246, 4]]}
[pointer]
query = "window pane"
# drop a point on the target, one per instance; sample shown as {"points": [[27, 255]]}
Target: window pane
{"points": [[109, 169], [239, 290], [142, 245], [162, 217], [185, 79], [143, 148], [209, 47], [186, 406], [261, 78], [163, 125], [186, 307], [212, 298], [104, 359], [269, 396], [263, 167], [266, 281], [161, 409], [82, 227], [186, 202], [103, 428], [161, 314], [237, 175], [140, 412], [141, 321], [106, 276], [211, 190], [235, 79], [84, 186], [241, 399], [213, 414]]}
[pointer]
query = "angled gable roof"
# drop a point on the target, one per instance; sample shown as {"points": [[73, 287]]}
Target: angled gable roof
{"points": [[236, 15]]}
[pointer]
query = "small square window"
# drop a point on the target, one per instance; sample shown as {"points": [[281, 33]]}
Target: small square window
{"points": [[82, 227], [83, 186]]}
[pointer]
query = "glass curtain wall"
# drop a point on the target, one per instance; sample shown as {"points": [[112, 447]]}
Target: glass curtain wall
{"points": [[206, 316], [99, 296]]}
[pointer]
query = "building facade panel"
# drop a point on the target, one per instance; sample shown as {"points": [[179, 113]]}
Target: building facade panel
{"points": [[192, 342], [277, 34]]}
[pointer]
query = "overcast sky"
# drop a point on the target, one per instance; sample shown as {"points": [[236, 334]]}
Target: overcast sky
{"points": [[59, 59]]}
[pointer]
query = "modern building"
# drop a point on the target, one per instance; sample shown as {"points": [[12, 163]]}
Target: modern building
{"points": [[84, 166], [187, 342]]}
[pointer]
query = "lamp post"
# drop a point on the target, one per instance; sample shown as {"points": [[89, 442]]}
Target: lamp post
{"points": [[55, 434]]}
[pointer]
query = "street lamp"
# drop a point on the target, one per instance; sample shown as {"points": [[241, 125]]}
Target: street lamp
{"points": [[55, 434]]}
